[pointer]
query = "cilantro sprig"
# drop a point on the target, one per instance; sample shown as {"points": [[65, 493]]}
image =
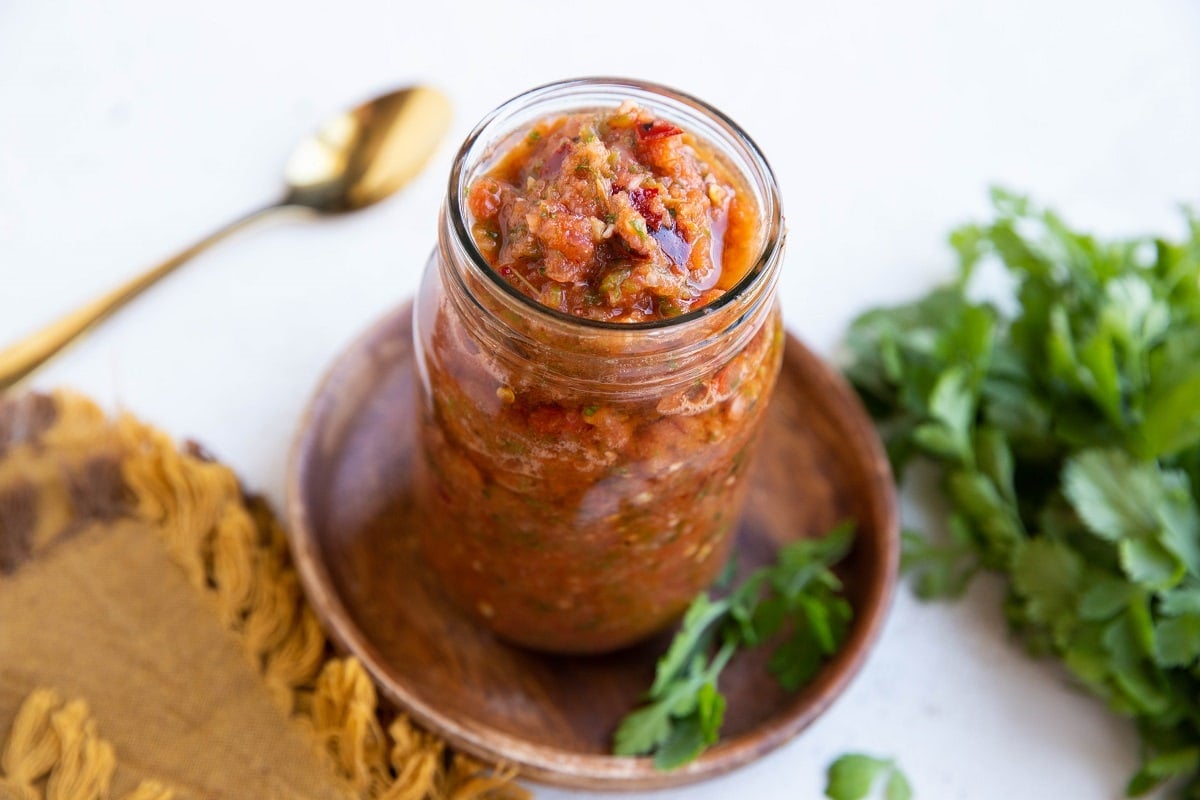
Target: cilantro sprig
{"points": [[795, 603], [1067, 438]]}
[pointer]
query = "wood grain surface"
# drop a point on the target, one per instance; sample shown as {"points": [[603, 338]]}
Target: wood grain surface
{"points": [[353, 527]]}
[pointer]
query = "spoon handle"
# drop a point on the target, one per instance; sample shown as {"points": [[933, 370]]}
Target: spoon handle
{"points": [[23, 357]]}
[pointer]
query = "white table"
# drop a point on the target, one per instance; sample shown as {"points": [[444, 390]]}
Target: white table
{"points": [[129, 127]]}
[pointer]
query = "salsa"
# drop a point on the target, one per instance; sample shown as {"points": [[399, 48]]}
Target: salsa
{"points": [[614, 215], [579, 494]]}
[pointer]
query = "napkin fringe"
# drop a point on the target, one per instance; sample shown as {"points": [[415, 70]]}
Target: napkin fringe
{"points": [[58, 741]]}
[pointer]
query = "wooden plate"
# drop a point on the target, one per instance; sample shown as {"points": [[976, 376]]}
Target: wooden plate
{"points": [[352, 534]]}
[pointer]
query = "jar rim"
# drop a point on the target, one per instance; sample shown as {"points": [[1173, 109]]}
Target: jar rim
{"points": [[771, 213]]}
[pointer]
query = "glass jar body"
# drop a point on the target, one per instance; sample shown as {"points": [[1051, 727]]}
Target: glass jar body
{"points": [[580, 484]]}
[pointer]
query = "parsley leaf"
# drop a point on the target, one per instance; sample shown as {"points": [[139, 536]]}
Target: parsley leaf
{"points": [[796, 602], [1067, 439]]}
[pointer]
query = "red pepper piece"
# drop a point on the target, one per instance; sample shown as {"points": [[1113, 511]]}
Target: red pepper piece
{"points": [[640, 198], [658, 129]]}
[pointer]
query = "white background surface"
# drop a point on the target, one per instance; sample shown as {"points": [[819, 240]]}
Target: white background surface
{"points": [[129, 128]]}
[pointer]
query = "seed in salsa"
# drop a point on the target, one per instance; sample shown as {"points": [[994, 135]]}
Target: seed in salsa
{"points": [[614, 215]]}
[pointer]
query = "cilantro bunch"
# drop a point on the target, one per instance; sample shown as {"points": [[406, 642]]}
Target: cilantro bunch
{"points": [[796, 603], [1067, 439]]}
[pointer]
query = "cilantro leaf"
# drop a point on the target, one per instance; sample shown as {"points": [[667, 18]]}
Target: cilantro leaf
{"points": [[1148, 563], [855, 776], [952, 407], [852, 776], [1172, 415], [940, 569], [1114, 495], [1105, 597], [643, 730], [1147, 511], [685, 741], [897, 787], [1164, 767], [1178, 640], [695, 634]]}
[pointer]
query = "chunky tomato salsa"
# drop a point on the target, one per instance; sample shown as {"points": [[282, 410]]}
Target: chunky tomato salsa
{"points": [[568, 516], [614, 216]]}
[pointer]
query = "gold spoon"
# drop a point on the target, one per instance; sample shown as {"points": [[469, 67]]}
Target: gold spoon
{"points": [[359, 158]]}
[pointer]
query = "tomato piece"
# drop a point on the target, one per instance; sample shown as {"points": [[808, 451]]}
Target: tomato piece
{"points": [[485, 198]]}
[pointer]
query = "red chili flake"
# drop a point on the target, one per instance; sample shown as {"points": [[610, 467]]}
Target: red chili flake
{"points": [[641, 201], [658, 129]]}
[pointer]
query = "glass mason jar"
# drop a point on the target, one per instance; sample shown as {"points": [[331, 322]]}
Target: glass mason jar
{"points": [[581, 480]]}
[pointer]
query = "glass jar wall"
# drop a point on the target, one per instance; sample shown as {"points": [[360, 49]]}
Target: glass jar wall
{"points": [[581, 479]]}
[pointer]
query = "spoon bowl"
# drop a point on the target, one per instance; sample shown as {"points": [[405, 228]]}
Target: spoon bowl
{"points": [[366, 154]]}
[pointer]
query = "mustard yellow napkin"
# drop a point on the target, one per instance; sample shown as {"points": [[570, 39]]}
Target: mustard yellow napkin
{"points": [[154, 642]]}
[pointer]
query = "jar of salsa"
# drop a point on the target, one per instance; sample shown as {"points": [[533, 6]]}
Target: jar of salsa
{"points": [[598, 336]]}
